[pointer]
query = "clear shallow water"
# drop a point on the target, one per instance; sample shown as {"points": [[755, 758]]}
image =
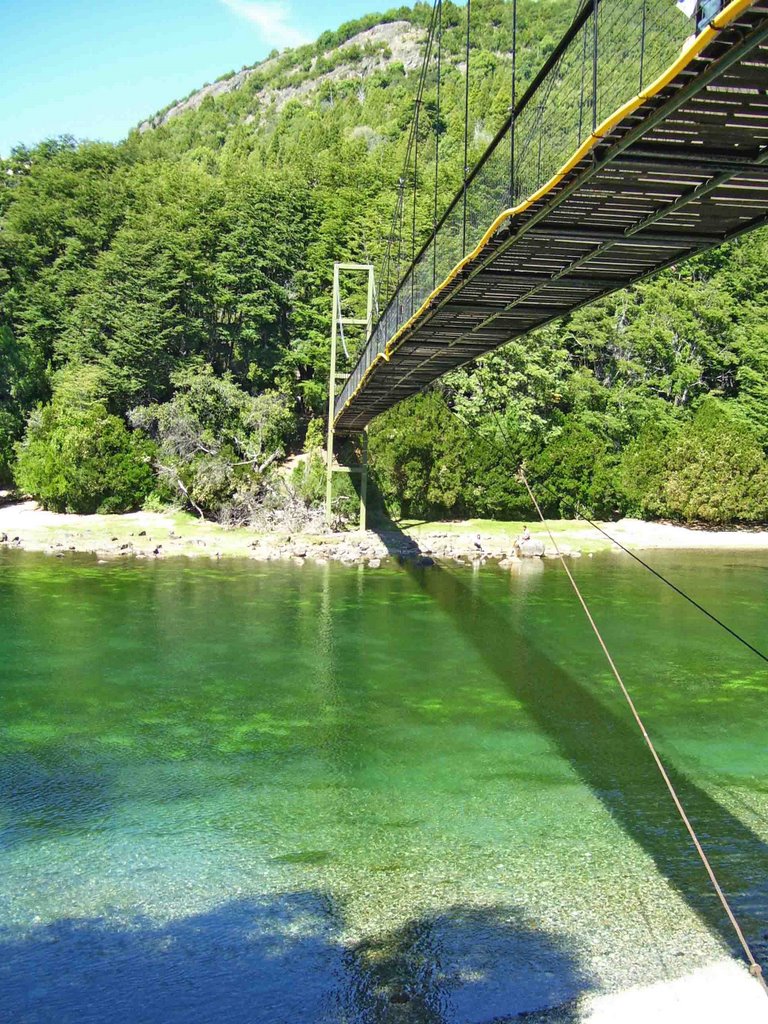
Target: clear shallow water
{"points": [[236, 792]]}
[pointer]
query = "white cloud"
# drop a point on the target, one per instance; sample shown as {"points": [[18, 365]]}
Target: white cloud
{"points": [[272, 19]]}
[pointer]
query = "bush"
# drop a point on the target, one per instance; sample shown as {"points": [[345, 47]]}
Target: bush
{"points": [[308, 478], [315, 436], [577, 470], [83, 460], [643, 468], [9, 431], [711, 469], [418, 458], [307, 488], [426, 462], [215, 442]]}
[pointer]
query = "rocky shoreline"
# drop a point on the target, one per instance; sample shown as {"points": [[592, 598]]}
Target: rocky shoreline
{"points": [[148, 535], [157, 535], [372, 549], [375, 547]]}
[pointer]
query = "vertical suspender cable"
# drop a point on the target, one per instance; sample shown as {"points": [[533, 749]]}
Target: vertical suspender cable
{"points": [[437, 140], [412, 140], [400, 204], [581, 93], [415, 139], [391, 245], [466, 137], [413, 211], [388, 258], [512, 106], [595, 7], [642, 44]]}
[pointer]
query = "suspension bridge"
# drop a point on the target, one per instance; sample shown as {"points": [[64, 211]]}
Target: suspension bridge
{"points": [[642, 141]]}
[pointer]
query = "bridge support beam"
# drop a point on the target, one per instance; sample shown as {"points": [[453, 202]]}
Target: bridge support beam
{"points": [[338, 323], [364, 483]]}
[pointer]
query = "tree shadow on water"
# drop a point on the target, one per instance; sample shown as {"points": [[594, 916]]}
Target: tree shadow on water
{"points": [[283, 961], [607, 752]]}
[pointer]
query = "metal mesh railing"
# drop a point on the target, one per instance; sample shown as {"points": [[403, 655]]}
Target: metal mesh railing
{"points": [[613, 49]]}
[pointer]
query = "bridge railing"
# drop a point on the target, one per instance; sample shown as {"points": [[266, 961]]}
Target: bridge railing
{"points": [[612, 50]]}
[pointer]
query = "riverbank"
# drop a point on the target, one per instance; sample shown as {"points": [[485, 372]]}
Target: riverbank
{"points": [[25, 526]]}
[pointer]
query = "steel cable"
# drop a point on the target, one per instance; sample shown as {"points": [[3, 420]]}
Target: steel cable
{"points": [[755, 968], [660, 576]]}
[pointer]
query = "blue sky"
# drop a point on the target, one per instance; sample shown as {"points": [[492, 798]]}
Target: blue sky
{"points": [[95, 68]]}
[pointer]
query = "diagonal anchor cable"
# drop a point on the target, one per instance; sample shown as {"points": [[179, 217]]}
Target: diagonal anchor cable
{"points": [[754, 967]]}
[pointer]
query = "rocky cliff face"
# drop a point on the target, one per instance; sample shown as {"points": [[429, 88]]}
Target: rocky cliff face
{"points": [[396, 41]]}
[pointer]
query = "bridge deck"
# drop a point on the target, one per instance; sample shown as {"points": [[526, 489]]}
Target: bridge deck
{"points": [[671, 175]]}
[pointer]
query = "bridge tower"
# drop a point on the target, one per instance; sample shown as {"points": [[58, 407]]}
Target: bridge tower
{"points": [[338, 323]]}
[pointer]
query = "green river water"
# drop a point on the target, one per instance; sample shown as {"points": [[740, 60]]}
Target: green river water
{"points": [[247, 792]]}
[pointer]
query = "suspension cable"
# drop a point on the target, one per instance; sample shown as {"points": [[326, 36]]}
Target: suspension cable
{"points": [[513, 107], [415, 196], [754, 967], [466, 135], [673, 586], [437, 136], [412, 137], [660, 576]]}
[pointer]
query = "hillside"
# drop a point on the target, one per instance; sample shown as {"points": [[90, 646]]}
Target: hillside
{"points": [[164, 307], [364, 53]]}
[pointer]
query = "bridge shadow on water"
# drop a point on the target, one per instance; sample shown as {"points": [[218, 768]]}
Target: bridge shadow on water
{"points": [[607, 752], [282, 961]]}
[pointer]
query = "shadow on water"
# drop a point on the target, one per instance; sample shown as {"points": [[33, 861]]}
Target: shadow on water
{"points": [[609, 755], [282, 961]]}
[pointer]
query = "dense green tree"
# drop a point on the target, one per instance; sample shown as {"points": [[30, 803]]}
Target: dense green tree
{"points": [[576, 472], [427, 462], [209, 237], [215, 441], [82, 459], [710, 469]]}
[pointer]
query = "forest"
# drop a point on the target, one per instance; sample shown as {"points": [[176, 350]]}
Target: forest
{"points": [[165, 312]]}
